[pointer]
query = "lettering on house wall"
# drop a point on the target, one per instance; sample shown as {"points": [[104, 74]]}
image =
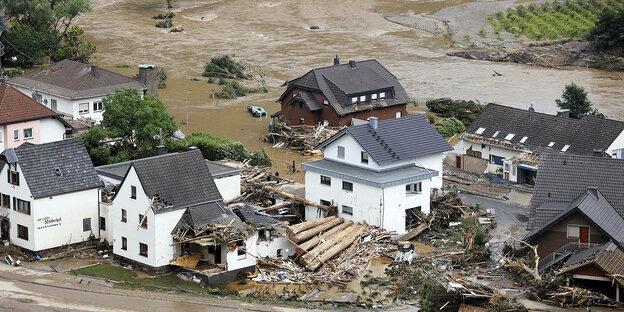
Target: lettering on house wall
{"points": [[48, 222]]}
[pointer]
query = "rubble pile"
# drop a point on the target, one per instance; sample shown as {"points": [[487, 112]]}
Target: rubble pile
{"points": [[579, 297], [300, 138]]}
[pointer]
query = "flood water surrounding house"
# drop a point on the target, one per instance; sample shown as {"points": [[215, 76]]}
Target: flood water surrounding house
{"points": [[276, 36]]}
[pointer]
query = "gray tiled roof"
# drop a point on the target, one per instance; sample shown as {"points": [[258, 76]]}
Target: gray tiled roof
{"points": [[396, 139], [563, 178], [338, 81], [213, 213], [582, 135], [39, 162], [118, 170], [308, 99], [595, 207], [585, 255], [180, 180], [255, 218], [401, 175], [73, 80]]}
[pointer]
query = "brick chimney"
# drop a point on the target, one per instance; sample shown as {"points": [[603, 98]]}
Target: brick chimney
{"points": [[148, 75], [336, 60], [565, 113]]}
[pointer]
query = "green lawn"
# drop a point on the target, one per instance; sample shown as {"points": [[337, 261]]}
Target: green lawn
{"points": [[107, 271]]}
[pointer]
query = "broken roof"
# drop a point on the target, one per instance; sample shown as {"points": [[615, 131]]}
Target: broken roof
{"points": [[563, 178], [16, 107], [250, 214], [73, 80], [544, 132], [608, 257], [396, 139], [337, 82], [55, 168]]}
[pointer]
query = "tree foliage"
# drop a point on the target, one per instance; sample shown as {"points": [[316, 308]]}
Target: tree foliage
{"points": [[465, 111], [225, 67], [75, 46], [232, 89], [448, 127], [609, 30], [575, 99], [38, 26]]}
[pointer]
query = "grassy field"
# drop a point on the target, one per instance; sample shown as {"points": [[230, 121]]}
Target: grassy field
{"points": [[570, 19]]}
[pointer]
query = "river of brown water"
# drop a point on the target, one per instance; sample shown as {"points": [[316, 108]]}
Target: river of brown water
{"points": [[276, 35]]}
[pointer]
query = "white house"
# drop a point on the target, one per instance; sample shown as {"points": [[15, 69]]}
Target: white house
{"points": [[77, 89], [164, 199], [378, 172], [510, 140], [22, 120], [49, 194]]}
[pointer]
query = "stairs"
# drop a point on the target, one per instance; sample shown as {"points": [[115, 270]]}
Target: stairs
{"points": [[561, 254]]}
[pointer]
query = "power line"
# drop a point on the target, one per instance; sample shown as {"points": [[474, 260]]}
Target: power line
{"points": [[18, 50]]}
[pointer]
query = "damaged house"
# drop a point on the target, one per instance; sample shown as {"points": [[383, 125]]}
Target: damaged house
{"points": [[168, 208], [335, 94], [506, 142], [380, 172], [577, 220]]}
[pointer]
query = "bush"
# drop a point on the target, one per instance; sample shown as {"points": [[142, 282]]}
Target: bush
{"points": [[434, 296], [449, 127], [465, 111], [609, 30], [12, 72], [260, 158], [225, 67], [232, 89]]}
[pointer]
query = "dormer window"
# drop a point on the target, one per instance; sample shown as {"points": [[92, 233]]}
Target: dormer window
{"points": [[551, 144], [524, 139], [480, 131], [354, 100], [13, 177], [382, 95], [496, 133], [509, 136], [363, 98], [374, 96], [325, 102]]}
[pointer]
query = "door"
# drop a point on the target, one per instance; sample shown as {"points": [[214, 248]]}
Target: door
{"points": [[507, 176], [458, 160], [584, 234]]}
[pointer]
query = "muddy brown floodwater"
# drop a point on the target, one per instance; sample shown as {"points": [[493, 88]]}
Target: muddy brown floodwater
{"points": [[276, 35]]}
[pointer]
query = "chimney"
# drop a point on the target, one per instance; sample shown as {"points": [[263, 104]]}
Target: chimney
{"points": [[352, 64], [94, 70], [148, 75], [161, 150], [565, 113], [336, 60], [373, 121]]}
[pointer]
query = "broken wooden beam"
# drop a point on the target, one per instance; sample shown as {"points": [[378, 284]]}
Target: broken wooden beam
{"points": [[297, 198], [304, 235], [314, 241], [413, 233], [300, 227], [336, 249], [321, 248]]}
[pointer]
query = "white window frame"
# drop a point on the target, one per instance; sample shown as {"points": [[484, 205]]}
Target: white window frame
{"points": [[397, 115], [340, 150], [31, 133], [509, 136], [15, 135], [565, 148], [382, 95], [354, 100], [325, 102], [551, 144], [524, 138], [496, 133], [362, 98], [82, 112], [347, 211], [374, 96], [480, 131], [100, 106], [53, 104]]}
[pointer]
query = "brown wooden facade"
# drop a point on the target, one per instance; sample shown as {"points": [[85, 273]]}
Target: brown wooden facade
{"points": [[557, 236]]}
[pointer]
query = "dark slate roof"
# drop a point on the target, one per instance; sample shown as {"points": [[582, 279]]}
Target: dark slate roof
{"points": [[595, 207], [73, 80], [338, 81], [250, 215], [585, 255], [608, 257], [213, 213], [308, 99], [582, 135], [118, 170], [396, 139], [563, 178], [40, 161], [179, 180]]}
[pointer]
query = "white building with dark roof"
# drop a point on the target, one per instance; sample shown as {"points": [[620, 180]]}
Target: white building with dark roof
{"points": [[379, 172], [49, 195]]}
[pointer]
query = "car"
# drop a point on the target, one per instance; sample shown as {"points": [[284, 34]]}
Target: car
{"points": [[256, 111]]}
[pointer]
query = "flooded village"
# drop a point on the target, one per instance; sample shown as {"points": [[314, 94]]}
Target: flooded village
{"points": [[329, 155]]}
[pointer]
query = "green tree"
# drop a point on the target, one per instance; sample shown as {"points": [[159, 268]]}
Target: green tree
{"points": [[40, 23], [93, 142], [448, 127], [609, 30], [575, 99], [136, 120], [75, 46]]}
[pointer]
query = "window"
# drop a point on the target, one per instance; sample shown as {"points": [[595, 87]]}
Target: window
{"points": [[301, 105], [86, 224], [142, 249], [102, 223], [325, 102], [524, 139], [382, 95], [22, 232], [13, 177], [574, 231], [124, 215], [510, 136], [347, 210], [397, 115], [325, 202], [496, 133], [551, 144], [347, 186], [341, 152], [124, 243], [363, 98], [354, 100], [325, 180], [301, 120], [5, 200], [21, 206], [513, 170], [414, 188], [53, 104], [133, 192], [565, 148], [143, 221], [16, 135], [480, 131], [364, 157], [28, 134], [240, 250], [98, 106], [374, 96], [83, 108]]}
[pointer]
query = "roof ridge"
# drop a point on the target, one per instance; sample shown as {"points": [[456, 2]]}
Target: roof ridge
{"points": [[81, 84]]}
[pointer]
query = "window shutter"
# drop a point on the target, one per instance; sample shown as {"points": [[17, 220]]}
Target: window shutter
{"points": [[9, 175], [14, 203], [17, 178]]}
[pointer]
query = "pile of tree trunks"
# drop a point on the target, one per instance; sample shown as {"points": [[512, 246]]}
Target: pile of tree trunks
{"points": [[578, 297], [300, 138]]}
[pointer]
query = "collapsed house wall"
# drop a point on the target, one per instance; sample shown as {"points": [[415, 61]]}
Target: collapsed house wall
{"points": [[468, 163], [274, 246], [494, 155]]}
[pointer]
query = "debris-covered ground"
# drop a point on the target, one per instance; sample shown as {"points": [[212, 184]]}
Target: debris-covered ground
{"points": [[300, 138]]}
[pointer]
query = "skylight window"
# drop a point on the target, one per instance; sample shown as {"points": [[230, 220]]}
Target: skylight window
{"points": [[565, 148], [524, 139], [509, 136], [496, 133], [480, 131], [551, 144]]}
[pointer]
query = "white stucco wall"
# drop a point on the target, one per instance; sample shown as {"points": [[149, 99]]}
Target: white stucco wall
{"points": [[66, 105], [235, 261], [52, 130], [109, 230], [267, 248], [229, 187], [487, 150], [615, 149]]}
